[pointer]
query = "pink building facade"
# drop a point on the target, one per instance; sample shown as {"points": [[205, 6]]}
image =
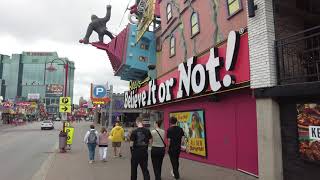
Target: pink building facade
{"points": [[203, 79]]}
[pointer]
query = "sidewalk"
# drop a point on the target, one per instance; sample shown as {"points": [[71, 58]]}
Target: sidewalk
{"points": [[74, 165]]}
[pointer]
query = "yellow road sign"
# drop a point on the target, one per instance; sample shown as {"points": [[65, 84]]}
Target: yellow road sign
{"points": [[70, 132], [65, 108], [65, 101]]}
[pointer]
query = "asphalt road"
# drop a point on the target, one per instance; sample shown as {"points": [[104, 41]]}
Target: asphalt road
{"points": [[24, 149]]}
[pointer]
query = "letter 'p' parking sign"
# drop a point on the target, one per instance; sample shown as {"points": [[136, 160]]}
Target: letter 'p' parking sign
{"points": [[99, 94], [99, 91]]}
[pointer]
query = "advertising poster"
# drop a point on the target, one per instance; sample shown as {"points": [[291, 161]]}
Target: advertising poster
{"points": [[54, 90], [33, 96], [308, 121], [193, 125]]}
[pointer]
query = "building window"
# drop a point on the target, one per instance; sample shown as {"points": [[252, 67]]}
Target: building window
{"points": [[169, 12], [143, 59], [194, 24], [158, 44], [144, 46], [233, 6], [172, 46]]}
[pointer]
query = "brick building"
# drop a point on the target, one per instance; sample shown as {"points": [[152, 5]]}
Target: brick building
{"points": [[284, 41]]}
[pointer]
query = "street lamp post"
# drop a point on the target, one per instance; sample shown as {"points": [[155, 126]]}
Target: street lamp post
{"points": [[63, 134], [51, 68]]}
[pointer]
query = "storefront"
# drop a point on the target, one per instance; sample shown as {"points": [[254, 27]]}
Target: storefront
{"points": [[300, 124], [210, 96], [300, 128]]}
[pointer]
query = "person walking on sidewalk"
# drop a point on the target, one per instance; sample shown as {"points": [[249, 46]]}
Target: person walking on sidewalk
{"points": [[91, 139], [117, 136], [175, 135], [103, 144], [158, 149], [141, 138]]}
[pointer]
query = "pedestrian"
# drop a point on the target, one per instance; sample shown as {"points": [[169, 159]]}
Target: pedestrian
{"points": [[103, 144], [158, 149], [117, 136], [175, 135], [141, 138], [91, 139]]}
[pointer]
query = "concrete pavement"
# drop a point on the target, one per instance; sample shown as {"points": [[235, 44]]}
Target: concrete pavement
{"points": [[74, 165]]}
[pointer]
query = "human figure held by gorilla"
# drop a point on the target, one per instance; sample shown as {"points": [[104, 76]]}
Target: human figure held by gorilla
{"points": [[99, 26]]}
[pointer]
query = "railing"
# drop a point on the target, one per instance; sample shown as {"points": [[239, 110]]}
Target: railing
{"points": [[298, 57]]}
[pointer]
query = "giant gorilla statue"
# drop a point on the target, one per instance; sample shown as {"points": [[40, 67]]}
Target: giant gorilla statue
{"points": [[98, 25]]}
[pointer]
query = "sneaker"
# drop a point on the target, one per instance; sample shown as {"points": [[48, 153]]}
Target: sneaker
{"points": [[120, 155], [172, 174], [90, 162]]}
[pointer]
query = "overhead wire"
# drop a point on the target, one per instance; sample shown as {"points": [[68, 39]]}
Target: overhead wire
{"points": [[124, 13]]}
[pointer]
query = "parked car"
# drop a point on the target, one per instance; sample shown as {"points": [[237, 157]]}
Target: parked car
{"points": [[47, 125], [57, 119]]}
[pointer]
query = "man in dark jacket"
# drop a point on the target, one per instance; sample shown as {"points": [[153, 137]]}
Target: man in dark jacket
{"points": [[141, 138]]}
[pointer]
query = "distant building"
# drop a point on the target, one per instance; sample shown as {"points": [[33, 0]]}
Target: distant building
{"points": [[36, 75]]}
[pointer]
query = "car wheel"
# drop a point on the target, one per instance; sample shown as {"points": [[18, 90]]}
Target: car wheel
{"points": [[41, 128]]}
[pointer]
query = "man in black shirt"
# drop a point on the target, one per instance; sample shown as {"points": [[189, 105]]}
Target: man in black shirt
{"points": [[175, 135], [141, 139]]}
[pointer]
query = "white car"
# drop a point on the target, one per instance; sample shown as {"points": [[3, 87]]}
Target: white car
{"points": [[47, 125]]}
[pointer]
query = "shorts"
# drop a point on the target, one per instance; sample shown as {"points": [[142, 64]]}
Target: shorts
{"points": [[116, 144]]}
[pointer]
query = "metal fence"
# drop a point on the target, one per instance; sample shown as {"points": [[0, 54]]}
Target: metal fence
{"points": [[298, 57]]}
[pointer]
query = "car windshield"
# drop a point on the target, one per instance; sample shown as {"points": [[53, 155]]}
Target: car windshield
{"points": [[47, 122]]}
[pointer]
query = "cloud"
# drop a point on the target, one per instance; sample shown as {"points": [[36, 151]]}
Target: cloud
{"points": [[59, 20], [57, 25]]}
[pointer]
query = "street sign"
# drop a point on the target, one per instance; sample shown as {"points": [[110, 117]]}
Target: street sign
{"points": [[99, 91], [65, 108], [65, 104], [70, 133], [65, 101]]}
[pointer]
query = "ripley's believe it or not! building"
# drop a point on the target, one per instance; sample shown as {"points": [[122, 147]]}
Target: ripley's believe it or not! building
{"points": [[228, 72]]}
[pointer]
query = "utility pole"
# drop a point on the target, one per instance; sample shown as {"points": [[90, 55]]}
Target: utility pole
{"points": [[110, 107]]}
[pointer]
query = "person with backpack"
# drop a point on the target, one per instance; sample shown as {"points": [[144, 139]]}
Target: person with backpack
{"points": [[91, 139], [141, 138], [117, 136], [103, 144], [158, 149]]}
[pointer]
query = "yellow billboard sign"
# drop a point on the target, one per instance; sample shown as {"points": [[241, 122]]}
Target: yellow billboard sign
{"points": [[146, 19]]}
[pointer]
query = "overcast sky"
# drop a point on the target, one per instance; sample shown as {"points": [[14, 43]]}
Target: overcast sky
{"points": [[57, 25]]}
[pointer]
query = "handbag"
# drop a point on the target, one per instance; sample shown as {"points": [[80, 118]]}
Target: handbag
{"points": [[161, 138]]}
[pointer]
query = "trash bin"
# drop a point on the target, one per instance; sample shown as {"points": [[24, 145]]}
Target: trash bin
{"points": [[62, 141]]}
